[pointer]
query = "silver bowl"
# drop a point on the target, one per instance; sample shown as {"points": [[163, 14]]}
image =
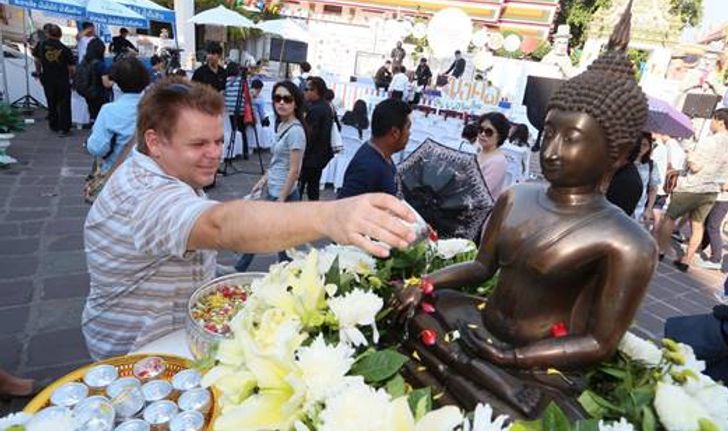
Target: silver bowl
{"points": [[200, 341]]}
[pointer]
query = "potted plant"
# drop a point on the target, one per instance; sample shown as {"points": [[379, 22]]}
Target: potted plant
{"points": [[10, 121]]}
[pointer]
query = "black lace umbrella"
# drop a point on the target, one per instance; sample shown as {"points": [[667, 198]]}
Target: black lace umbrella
{"points": [[447, 188]]}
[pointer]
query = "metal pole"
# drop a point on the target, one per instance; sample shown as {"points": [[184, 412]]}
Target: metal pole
{"points": [[25, 31], [6, 96]]}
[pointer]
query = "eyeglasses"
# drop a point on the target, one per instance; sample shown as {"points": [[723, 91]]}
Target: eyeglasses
{"points": [[285, 99], [487, 131]]}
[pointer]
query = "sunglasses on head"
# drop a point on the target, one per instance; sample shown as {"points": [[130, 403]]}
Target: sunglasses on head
{"points": [[487, 131], [285, 99]]}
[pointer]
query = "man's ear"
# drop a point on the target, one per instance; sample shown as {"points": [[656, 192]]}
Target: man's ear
{"points": [[153, 141]]}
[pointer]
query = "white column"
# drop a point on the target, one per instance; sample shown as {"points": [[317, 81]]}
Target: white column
{"points": [[184, 31]]}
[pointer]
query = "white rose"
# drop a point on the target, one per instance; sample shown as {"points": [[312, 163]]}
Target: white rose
{"points": [[357, 308], [449, 248], [323, 367], [640, 350], [357, 407]]}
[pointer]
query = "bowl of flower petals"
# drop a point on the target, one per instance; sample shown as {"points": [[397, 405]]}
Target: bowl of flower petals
{"points": [[212, 307]]}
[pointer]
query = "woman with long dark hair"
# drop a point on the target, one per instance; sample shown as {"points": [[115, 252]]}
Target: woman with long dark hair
{"points": [[279, 183], [358, 117], [98, 93], [650, 175]]}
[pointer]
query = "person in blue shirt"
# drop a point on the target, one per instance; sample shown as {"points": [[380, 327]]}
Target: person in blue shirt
{"points": [[116, 123], [372, 169]]}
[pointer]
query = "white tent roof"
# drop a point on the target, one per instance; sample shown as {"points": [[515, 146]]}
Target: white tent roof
{"points": [[285, 28], [221, 16]]}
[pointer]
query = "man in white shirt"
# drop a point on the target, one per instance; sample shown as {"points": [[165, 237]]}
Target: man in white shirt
{"points": [[86, 35], [667, 151], [151, 236], [399, 84], [697, 188]]}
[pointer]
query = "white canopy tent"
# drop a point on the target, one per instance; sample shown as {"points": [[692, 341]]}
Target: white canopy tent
{"points": [[221, 16]]}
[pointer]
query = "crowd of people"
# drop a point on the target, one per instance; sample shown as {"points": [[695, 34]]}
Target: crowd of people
{"points": [[152, 233]]}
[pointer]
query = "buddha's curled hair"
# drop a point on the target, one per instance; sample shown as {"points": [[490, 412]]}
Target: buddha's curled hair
{"points": [[608, 91]]}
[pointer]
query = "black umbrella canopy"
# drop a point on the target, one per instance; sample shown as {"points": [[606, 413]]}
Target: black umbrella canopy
{"points": [[447, 188]]}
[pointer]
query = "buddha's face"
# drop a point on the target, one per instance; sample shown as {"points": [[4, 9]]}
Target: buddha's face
{"points": [[574, 152]]}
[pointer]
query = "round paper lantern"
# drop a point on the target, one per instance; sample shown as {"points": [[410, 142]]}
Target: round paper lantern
{"points": [[512, 43], [419, 30], [495, 41], [483, 59], [529, 45], [449, 30], [480, 38]]}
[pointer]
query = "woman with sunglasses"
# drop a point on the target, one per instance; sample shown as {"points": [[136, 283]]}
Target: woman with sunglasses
{"points": [[492, 133], [279, 183]]}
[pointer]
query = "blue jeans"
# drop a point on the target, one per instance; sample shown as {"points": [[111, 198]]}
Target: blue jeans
{"points": [[246, 259]]}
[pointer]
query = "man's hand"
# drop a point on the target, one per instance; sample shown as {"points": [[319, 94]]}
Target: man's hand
{"points": [[363, 219]]}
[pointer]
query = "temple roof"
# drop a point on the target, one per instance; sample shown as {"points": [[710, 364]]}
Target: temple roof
{"points": [[652, 23]]}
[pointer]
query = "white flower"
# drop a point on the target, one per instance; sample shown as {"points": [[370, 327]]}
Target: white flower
{"points": [[640, 350], [358, 308], [691, 362], [61, 421], [712, 396], [19, 418], [399, 418], [351, 259], [323, 367], [357, 407], [483, 420], [677, 410], [449, 248], [622, 425]]}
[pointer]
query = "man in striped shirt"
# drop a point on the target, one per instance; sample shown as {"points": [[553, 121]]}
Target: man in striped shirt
{"points": [[151, 236]]}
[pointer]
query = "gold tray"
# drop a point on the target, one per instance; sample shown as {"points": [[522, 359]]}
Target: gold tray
{"points": [[125, 366]]}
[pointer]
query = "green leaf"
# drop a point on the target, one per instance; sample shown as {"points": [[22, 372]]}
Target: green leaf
{"points": [[333, 275], [396, 386], [420, 402], [554, 419], [596, 406], [586, 425], [643, 396], [648, 419], [378, 366], [614, 372], [520, 425]]}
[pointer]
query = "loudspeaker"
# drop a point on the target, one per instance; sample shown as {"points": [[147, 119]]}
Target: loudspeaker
{"points": [[700, 105], [536, 98], [292, 51]]}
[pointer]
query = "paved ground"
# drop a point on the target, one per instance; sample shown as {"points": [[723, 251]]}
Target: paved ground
{"points": [[43, 278]]}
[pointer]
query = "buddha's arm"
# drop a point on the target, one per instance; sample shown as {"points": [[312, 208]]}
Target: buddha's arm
{"points": [[485, 264], [627, 270]]}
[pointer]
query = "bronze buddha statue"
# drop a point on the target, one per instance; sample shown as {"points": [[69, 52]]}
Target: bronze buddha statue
{"points": [[573, 268]]}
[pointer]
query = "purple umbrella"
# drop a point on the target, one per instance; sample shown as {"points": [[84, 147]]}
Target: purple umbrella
{"points": [[665, 119]]}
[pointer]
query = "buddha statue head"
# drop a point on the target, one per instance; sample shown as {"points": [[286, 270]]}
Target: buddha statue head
{"points": [[594, 119]]}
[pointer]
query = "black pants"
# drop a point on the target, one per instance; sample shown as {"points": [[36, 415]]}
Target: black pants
{"points": [[241, 128], [309, 182], [94, 105], [712, 235], [58, 96]]}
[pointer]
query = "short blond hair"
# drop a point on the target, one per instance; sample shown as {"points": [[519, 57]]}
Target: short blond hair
{"points": [[162, 103]]}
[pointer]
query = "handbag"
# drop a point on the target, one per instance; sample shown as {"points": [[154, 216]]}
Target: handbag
{"points": [[671, 175], [337, 142], [95, 181]]}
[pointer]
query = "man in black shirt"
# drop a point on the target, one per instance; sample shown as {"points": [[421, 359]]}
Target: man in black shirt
{"points": [[212, 72], [120, 44], [319, 120], [54, 66], [626, 186], [458, 66]]}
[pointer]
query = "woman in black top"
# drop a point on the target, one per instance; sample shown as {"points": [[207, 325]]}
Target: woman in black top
{"points": [[357, 117]]}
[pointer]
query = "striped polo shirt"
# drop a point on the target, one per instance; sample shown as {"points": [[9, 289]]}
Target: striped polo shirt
{"points": [[136, 250]]}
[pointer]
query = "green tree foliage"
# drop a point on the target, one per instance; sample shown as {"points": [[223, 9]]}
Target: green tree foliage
{"points": [[578, 14]]}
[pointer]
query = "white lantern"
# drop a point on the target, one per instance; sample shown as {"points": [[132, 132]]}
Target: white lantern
{"points": [[512, 43], [495, 41], [483, 59], [419, 30], [449, 30], [480, 38]]}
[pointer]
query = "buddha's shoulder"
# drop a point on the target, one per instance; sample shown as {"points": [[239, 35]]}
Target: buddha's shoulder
{"points": [[625, 232]]}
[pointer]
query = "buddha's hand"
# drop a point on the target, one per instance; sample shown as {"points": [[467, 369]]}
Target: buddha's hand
{"points": [[479, 342], [404, 302]]}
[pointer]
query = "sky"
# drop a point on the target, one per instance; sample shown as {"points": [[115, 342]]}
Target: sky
{"points": [[715, 12]]}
